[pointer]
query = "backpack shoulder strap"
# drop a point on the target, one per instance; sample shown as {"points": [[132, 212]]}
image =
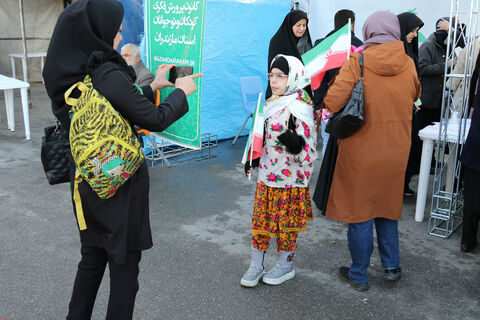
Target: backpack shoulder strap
{"points": [[78, 202], [82, 86]]}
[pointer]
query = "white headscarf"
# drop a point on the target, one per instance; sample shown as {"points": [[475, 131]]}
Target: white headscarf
{"points": [[297, 80]]}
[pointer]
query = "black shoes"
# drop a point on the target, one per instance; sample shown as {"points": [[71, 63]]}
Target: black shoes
{"points": [[407, 193], [343, 271], [393, 274], [467, 247]]}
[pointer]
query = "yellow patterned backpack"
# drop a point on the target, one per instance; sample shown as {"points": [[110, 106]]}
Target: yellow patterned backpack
{"points": [[105, 149]]}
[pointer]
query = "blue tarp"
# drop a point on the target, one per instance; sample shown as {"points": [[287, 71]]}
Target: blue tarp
{"points": [[237, 35], [236, 38], [132, 24]]}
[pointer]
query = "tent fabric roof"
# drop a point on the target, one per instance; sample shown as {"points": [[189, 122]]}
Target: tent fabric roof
{"points": [[40, 18]]}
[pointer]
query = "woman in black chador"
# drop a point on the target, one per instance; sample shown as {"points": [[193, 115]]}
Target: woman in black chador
{"points": [[291, 39], [118, 229], [409, 25]]}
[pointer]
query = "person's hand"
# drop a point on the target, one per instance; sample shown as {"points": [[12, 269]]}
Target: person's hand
{"points": [[443, 25], [160, 80], [187, 84], [249, 168], [319, 114]]}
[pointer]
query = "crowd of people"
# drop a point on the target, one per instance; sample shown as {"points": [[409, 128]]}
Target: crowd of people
{"points": [[372, 167]]}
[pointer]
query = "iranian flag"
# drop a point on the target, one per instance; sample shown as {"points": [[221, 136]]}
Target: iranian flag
{"points": [[253, 149], [331, 53]]}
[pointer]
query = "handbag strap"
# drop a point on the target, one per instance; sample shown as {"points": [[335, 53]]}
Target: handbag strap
{"points": [[58, 125], [361, 65]]}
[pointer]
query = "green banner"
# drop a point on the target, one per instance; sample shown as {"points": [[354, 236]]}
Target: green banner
{"points": [[174, 35]]}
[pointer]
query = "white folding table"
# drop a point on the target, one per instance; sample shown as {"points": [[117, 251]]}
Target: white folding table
{"points": [[40, 55], [7, 85], [429, 135]]}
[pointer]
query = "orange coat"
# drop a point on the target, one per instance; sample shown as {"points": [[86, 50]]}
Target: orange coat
{"points": [[370, 171]]}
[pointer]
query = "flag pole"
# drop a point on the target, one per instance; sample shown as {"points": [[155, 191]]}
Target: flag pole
{"points": [[349, 36], [253, 137]]}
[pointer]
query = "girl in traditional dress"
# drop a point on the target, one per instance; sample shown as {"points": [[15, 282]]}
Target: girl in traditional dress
{"points": [[282, 203]]}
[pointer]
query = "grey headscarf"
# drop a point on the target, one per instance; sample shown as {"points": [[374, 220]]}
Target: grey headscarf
{"points": [[381, 27]]}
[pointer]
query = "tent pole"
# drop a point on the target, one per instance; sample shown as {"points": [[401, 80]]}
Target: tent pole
{"points": [[24, 42]]}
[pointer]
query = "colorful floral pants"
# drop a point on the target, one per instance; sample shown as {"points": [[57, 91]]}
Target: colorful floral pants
{"points": [[280, 213], [285, 242]]}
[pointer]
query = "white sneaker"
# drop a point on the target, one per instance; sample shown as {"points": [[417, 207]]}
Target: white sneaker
{"points": [[252, 276], [278, 275]]}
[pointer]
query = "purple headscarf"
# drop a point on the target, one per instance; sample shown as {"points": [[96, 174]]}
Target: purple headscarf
{"points": [[380, 27]]}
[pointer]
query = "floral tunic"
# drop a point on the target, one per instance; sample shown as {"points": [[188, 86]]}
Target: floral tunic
{"points": [[281, 169]]}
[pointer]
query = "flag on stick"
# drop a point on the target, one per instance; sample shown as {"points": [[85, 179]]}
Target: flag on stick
{"points": [[253, 149], [331, 53]]}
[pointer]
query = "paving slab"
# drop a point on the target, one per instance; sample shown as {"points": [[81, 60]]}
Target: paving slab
{"points": [[200, 216]]}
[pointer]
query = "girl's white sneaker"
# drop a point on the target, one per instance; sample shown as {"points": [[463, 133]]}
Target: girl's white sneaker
{"points": [[278, 275], [252, 276]]}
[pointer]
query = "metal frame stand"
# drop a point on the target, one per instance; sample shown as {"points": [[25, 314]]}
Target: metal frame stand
{"points": [[157, 153], [169, 153], [241, 129], [447, 198]]}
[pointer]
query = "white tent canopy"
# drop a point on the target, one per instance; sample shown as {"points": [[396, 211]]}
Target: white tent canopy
{"points": [[321, 13], [40, 17]]}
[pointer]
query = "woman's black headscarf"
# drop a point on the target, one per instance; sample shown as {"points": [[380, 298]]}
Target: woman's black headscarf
{"points": [[82, 38], [408, 22], [285, 42]]}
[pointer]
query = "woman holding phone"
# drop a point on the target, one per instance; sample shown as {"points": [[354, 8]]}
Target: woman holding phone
{"points": [[84, 42]]}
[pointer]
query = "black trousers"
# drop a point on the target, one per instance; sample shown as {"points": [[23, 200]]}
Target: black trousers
{"points": [[413, 165], [427, 116], [471, 205], [123, 284]]}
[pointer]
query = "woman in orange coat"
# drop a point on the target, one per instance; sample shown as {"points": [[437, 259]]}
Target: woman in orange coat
{"points": [[367, 186]]}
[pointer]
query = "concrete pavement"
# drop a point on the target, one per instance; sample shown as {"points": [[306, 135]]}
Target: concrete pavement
{"points": [[200, 216]]}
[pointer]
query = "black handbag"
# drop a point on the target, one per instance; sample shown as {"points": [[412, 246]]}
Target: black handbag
{"points": [[54, 154], [349, 119]]}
